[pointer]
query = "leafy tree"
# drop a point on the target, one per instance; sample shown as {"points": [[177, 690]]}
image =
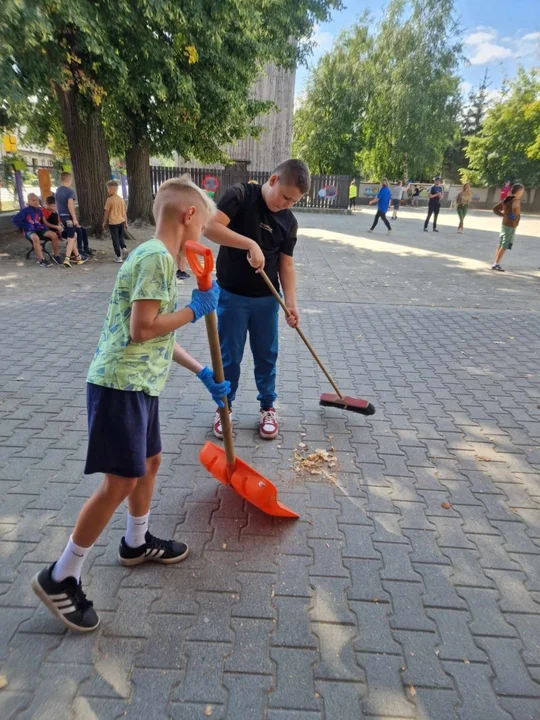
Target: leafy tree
{"points": [[508, 145], [191, 70], [59, 51], [161, 75], [387, 101], [328, 128], [412, 115], [471, 121]]}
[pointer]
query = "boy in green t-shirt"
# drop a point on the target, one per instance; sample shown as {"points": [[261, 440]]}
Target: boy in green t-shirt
{"points": [[127, 374]]}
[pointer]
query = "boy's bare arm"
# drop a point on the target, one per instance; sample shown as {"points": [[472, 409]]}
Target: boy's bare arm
{"points": [[183, 358], [498, 209], [71, 208], [146, 322], [287, 277], [218, 232]]}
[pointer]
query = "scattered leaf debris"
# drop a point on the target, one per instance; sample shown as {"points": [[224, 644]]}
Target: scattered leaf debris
{"points": [[412, 691], [446, 505], [318, 462], [208, 710]]}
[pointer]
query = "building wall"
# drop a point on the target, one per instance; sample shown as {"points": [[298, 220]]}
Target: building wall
{"points": [[274, 144]]}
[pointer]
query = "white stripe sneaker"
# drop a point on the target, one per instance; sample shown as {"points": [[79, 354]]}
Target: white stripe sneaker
{"points": [[66, 600], [153, 550]]}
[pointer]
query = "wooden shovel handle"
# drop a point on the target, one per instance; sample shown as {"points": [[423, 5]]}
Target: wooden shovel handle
{"points": [[202, 272], [304, 338]]}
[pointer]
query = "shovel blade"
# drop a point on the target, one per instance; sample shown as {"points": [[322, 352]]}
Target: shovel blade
{"points": [[247, 482]]}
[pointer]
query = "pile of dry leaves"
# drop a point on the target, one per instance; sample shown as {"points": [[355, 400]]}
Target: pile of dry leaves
{"points": [[317, 462]]}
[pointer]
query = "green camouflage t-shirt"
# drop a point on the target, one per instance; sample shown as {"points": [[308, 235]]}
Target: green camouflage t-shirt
{"points": [[119, 363]]}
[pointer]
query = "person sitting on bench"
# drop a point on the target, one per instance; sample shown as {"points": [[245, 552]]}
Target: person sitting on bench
{"points": [[30, 221]]}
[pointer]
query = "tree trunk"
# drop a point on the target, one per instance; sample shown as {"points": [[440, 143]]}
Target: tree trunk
{"points": [[89, 158], [140, 201], [406, 169]]}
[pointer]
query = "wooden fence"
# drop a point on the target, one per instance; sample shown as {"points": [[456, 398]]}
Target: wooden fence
{"points": [[327, 191]]}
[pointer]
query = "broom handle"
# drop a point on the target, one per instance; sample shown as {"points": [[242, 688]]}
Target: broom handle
{"points": [[219, 376], [304, 338]]}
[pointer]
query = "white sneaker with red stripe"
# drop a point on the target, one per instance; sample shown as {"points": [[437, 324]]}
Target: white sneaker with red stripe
{"points": [[268, 424]]}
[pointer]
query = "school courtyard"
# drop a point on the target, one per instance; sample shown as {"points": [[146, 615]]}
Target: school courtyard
{"points": [[410, 585]]}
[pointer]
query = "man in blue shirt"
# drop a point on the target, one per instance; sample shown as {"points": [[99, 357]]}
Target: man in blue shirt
{"points": [[383, 201], [434, 203]]}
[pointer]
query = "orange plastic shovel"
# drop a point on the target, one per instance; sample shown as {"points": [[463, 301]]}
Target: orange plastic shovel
{"points": [[223, 464]]}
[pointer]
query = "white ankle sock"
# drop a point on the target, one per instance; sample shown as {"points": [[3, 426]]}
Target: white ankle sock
{"points": [[136, 530], [70, 562]]}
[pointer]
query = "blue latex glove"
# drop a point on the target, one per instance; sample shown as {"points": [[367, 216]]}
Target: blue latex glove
{"points": [[511, 216], [216, 390], [204, 301]]}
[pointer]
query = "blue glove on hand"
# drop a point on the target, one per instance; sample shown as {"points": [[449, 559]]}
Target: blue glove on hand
{"points": [[204, 301], [216, 390]]}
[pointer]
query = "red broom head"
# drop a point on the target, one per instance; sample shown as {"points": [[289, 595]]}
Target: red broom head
{"points": [[357, 405]]}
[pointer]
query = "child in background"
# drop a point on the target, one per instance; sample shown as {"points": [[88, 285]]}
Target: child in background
{"points": [[383, 201], [50, 216], [181, 264], [435, 195], [257, 219], [126, 376], [65, 202], [353, 194], [116, 217], [397, 196], [462, 205], [510, 211], [31, 221]]}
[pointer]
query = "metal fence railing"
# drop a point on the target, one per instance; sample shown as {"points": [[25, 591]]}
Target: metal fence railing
{"points": [[327, 191]]}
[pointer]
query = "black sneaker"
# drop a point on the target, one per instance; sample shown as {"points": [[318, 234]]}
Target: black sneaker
{"points": [[425, 229], [435, 230], [89, 251], [182, 275], [66, 600], [57, 259], [43, 263], [154, 550]]}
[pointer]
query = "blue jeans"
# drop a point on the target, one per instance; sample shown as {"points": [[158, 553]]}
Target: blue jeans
{"points": [[236, 316]]}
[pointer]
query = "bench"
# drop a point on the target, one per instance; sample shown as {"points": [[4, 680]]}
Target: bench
{"points": [[44, 242]]}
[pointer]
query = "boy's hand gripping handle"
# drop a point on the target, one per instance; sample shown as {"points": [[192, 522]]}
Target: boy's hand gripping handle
{"points": [[202, 272]]}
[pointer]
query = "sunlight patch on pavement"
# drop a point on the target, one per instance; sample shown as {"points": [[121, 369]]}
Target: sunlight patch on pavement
{"points": [[372, 245]]}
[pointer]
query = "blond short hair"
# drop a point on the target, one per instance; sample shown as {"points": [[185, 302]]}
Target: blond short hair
{"points": [[111, 183], [175, 188]]}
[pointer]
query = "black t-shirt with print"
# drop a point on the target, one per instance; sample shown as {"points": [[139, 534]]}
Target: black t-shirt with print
{"points": [[274, 233]]}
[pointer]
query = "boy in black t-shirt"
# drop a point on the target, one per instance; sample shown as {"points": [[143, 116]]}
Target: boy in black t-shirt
{"points": [[434, 203], [257, 220]]}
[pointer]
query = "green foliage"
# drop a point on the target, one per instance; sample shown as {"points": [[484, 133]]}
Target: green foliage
{"points": [[508, 145], [412, 116], [191, 70], [328, 128], [387, 102], [471, 121]]}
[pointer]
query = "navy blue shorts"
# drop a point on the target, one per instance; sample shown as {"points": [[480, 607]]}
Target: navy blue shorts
{"points": [[123, 430], [69, 227]]}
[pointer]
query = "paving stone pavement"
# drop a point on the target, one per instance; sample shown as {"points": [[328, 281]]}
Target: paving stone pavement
{"points": [[382, 601]]}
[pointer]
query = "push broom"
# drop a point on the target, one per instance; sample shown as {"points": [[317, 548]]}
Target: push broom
{"points": [[344, 402]]}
